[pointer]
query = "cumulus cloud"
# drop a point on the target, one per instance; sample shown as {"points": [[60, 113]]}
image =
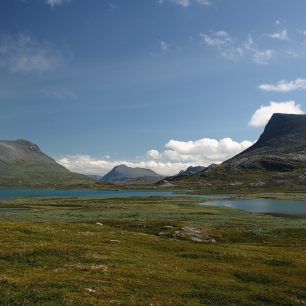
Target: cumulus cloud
{"points": [[284, 86], [54, 3], [90, 165], [186, 3], [23, 54], [264, 113], [232, 49], [177, 156], [201, 152]]}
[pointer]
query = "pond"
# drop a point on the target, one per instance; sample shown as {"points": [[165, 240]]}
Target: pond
{"points": [[270, 206]]}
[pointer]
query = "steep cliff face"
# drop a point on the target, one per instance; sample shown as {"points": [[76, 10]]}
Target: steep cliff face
{"points": [[277, 158], [23, 163], [281, 147], [284, 134]]}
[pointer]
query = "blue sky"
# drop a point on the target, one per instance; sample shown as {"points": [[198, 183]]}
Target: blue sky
{"points": [[159, 84]]}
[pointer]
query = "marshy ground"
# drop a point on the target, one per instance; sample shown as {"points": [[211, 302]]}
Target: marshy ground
{"points": [[147, 251]]}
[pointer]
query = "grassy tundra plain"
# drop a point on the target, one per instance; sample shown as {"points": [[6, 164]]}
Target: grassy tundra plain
{"points": [[148, 251]]}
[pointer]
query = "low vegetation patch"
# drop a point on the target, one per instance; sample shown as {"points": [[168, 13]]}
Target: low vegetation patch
{"points": [[111, 252]]}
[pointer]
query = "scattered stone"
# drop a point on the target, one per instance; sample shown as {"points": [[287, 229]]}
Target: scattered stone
{"points": [[98, 223], [90, 290], [195, 233], [196, 239], [265, 242], [161, 234], [236, 183], [114, 241], [168, 227], [91, 267]]}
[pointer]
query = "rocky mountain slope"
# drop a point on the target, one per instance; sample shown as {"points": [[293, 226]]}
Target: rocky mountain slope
{"points": [[23, 163], [125, 174], [277, 159]]}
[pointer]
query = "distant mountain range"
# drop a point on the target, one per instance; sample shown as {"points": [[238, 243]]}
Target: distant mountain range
{"points": [[125, 174], [23, 163], [276, 160]]}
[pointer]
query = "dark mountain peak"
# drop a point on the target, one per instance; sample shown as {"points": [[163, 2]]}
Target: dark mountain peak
{"points": [[195, 169], [284, 133], [28, 145], [283, 125], [277, 159], [122, 166], [123, 173]]}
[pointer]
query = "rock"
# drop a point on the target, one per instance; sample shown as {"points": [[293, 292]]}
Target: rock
{"points": [[168, 227], [196, 239], [90, 290], [114, 241], [98, 223], [195, 233]]}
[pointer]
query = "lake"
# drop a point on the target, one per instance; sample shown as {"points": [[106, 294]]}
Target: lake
{"points": [[11, 193], [281, 207]]}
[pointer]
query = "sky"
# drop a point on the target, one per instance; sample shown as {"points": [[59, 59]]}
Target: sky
{"points": [[160, 84]]}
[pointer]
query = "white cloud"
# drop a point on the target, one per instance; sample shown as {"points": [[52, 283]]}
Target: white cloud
{"points": [[90, 165], [200, 152], [153, 154], [23, 54], [177, 156], [284, 86], [54, 3], [264, 113], [186, 3], [258, 56], [282, 35], [164, 46], [235, 50], [216, 39]]}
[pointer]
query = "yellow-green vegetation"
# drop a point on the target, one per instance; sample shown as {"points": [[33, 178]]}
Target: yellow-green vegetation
{"points": [[140, 251]]}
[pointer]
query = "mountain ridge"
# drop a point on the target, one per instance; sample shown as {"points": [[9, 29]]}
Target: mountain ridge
{"points": [[23, 163], [277, 159]]}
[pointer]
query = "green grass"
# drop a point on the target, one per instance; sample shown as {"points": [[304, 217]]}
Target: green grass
{"points": [[55, 253]]}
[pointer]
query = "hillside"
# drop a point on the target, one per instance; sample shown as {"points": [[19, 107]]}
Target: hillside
{"points": [[277, 159], [23, 163], [125, 174]]}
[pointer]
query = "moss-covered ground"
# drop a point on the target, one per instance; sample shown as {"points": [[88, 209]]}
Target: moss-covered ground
{"points": [[128, 251]]}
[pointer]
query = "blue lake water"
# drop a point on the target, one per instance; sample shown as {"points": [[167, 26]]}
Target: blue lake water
{"points": [[282, 207], [286, 207], [11, 193]]}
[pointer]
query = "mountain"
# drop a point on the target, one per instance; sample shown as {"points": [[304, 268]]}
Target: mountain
{"points": [[23, 163], [188, 171], [192, 170], [125, 174], [277, 159]]}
